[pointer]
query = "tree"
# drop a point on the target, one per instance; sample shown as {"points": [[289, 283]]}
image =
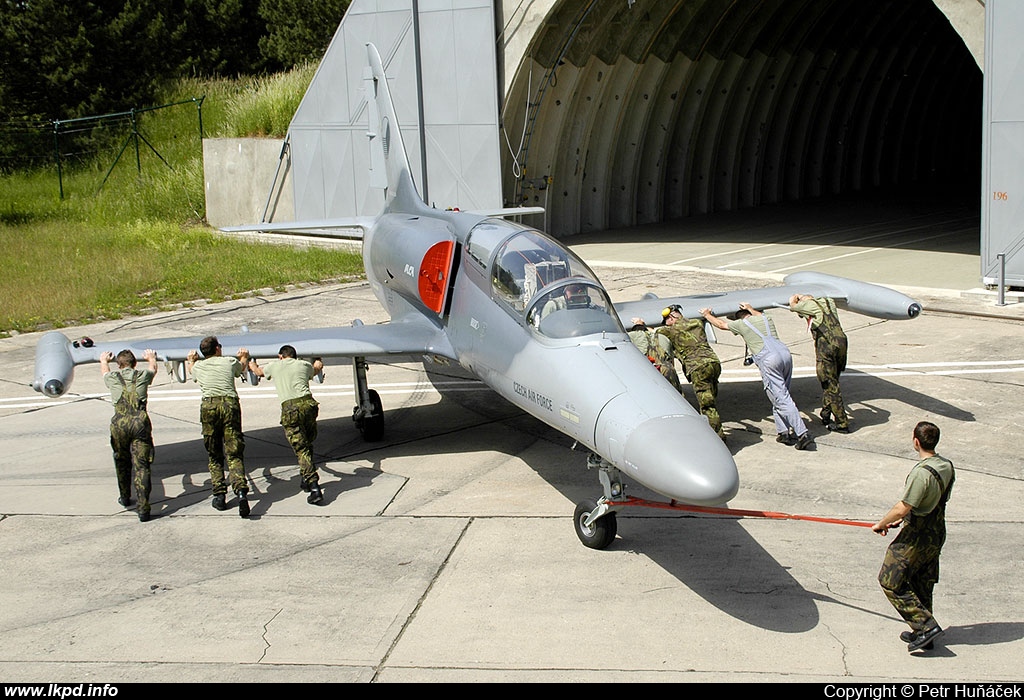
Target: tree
{"points": [[299, 30], [63, 60], [46, 56], [220, 38]]}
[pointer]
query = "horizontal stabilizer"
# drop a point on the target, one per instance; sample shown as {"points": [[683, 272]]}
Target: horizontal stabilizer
{"points": [[350, 227], [508, 211]]}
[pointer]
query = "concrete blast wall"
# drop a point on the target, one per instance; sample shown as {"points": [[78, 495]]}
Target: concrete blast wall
{"points": [[237, 177]]}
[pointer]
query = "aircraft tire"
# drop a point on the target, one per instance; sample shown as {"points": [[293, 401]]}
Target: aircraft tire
{"points": [[373, 426], [601, 532]]}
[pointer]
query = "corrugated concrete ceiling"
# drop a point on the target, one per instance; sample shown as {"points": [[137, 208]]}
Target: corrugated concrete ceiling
{"points": [[670, 108]]}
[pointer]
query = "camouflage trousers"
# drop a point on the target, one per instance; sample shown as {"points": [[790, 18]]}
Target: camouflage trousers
{"points": [[221, 418], [830, 363], [298, 417], [909, 573], [131, 439], [704, 380], [668, 371]]}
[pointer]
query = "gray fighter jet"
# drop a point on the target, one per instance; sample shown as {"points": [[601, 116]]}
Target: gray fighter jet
{"points": [[525, 315]]}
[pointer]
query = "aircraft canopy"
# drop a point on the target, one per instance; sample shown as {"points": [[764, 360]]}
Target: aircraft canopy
{"points": [[573, 309], [527, 262]]}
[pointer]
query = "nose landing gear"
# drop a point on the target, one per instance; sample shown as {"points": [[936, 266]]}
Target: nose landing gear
{"points": [[595, 521]]}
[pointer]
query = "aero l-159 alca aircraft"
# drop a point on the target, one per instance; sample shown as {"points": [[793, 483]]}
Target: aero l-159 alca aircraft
{"points": [[525, 315]]}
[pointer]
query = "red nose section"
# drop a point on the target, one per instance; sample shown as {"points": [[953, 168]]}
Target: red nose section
{"points": [[433, 280]]}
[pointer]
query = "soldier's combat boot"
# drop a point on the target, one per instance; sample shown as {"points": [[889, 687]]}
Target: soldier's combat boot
{"points": [[124, 501], [305, 485], [243, 504], [143, 517], [924, 638], [908, 636], [826, 416], [315, 494], [218, 502]]}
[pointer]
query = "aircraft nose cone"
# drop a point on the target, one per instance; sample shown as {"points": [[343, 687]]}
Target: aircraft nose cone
{"points": [[682, 458]]}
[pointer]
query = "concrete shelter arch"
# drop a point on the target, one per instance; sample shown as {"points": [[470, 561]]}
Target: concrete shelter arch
{"points": [[632, 113]]}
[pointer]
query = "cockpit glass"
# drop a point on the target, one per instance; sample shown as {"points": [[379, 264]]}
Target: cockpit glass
{"points": [[527, 263], [486, 235], [572, 310]]}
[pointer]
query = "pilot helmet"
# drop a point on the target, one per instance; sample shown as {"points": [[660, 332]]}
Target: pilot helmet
{"points": [[576, 296]]}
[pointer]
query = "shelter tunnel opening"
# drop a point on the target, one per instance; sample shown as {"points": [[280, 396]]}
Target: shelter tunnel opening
{"points": [[677, 108]]}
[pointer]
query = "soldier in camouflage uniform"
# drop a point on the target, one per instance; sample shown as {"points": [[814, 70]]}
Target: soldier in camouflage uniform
{"points": [[658, 349], [131, 433], [221, 416], [701, 365], [830, 352], [299, 410], [910, 569]]}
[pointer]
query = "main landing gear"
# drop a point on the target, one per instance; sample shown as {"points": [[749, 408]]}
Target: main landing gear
{"points": [[595, 521], [368, 413]]}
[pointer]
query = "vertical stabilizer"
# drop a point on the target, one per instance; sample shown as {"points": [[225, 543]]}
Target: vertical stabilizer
{"points": [[389, 163]]}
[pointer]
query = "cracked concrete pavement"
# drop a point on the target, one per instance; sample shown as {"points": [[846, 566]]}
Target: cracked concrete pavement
{"points": [[447, 552]]}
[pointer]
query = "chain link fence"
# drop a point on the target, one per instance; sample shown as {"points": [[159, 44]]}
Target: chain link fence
{"points": [[107, 140]]}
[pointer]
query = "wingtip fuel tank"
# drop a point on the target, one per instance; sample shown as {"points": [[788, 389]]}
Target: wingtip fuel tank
{"points": [[55, 368], [862, 297]]}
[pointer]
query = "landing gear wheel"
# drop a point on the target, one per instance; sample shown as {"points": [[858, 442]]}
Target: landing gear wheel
{"points": [[373, 426], [600, 533]]}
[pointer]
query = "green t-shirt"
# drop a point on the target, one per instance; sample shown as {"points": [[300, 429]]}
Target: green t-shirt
{"points": [[216, 375], [808, 308], [922, 492], [752, 339], [142, 378], [650, 344], [291, 377]]}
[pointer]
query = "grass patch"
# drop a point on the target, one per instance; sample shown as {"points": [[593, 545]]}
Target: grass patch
{"points": [[59, 273], [129, 233], [265, 106]]}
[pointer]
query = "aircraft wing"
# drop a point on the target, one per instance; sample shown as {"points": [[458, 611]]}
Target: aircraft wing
{"points": [[504, 212], [862, 297], [56, 356]]}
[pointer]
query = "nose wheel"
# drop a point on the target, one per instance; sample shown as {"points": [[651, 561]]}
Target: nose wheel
{"points": [[595, 524], [595, 521]]}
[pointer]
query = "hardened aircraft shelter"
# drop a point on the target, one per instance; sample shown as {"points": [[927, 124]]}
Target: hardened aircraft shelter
{"points": [[616, 114]]}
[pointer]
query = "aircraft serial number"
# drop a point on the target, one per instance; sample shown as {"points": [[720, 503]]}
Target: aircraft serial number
{"points": [[531, 395]]}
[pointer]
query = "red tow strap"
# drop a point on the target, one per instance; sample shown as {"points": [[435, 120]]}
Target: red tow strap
{"points": [[732, 511]]}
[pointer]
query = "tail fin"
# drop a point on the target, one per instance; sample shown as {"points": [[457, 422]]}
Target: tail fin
{"points": [[389, 163]]}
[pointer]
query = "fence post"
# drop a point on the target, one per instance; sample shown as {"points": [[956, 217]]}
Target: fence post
{"points": [[56, 151]]}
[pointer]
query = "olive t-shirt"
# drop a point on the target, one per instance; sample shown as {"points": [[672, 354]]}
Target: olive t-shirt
{"points": [[216, 375], [923, 492], [291, 377]]}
